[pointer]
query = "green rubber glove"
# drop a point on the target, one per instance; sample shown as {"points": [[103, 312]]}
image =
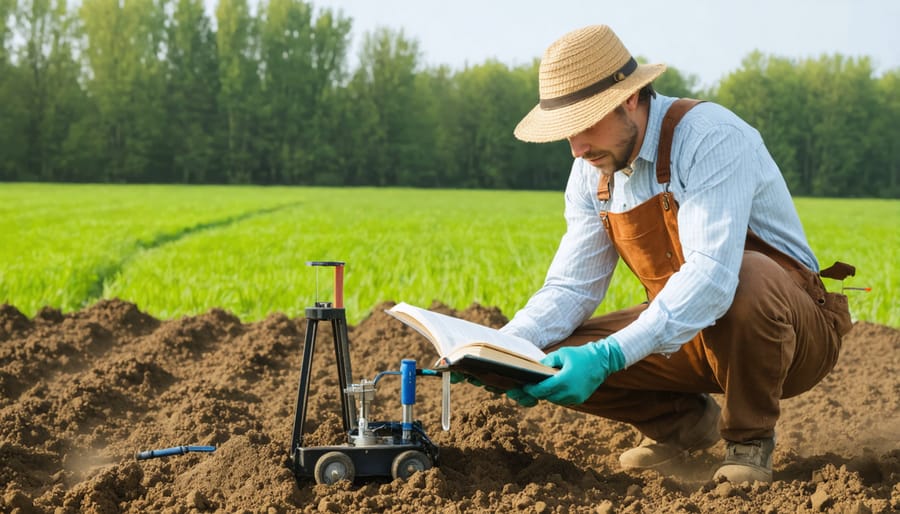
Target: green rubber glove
{"points": [[581, 371], [521, 397]]}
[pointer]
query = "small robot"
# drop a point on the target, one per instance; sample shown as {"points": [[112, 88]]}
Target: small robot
{"points": [[373, 449]]}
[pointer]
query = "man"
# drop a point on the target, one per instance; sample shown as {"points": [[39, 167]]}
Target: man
{"points": [[689, 197]]}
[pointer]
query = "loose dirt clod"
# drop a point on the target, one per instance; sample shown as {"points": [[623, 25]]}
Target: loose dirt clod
{"points": [[81, 392]]}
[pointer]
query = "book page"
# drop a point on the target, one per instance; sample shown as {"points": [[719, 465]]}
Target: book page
{"points": [[451, 333]]}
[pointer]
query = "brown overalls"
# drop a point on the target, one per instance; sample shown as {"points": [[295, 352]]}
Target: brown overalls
{"points": [[780, 336]]}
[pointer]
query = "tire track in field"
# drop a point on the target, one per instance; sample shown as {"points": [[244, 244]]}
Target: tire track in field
{"points": [[107, 273]]}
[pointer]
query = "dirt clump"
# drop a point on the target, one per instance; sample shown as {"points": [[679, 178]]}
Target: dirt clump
{"points": [[81, 392]]}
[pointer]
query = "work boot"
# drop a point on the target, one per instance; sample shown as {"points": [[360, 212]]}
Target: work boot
{"points": [[702, 435], [747, 462]]}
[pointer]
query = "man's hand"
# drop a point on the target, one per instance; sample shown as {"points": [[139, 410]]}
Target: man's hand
{"points": [[582, 370]]}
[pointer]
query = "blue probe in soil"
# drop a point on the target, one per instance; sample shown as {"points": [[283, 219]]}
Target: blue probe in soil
{"points": [[175, 450]]}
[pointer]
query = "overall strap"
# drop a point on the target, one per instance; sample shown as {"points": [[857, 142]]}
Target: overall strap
{"points": [[603, 187], [664, 150]]}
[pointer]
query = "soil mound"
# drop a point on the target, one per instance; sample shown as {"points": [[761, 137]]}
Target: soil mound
{"points": [[80, 393]]}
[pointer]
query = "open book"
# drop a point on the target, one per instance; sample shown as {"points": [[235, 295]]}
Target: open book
{"points": [[496, 359]]}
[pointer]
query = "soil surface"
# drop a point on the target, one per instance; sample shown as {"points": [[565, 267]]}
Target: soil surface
{"points": [[80, 393]]}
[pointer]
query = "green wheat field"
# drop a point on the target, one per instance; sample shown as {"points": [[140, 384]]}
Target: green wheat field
{"points": [[182, 250]]}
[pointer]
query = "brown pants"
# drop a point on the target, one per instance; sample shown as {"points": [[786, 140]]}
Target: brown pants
{"points": [[774, 342]]}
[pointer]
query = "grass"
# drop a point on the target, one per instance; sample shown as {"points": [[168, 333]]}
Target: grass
{"points": [[181, 250], [862, 233]]}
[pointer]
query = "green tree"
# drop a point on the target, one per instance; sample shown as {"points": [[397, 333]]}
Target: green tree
{"points": [[35, 22], [286, 53], [48, 98], [818, 118], [383, 88], [437, 164], [13, 113], [768, 92], [490, 102], [127, 81], [324, 130], [192, 90], [843, 92], [301, 60], [238, 47], [885, 132], [7, 7]]}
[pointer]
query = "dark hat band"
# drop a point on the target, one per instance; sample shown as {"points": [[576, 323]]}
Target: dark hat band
{"points": [[548, 104]]}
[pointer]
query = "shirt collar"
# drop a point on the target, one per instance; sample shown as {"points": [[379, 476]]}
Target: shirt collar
{"points": [[658, 107]]}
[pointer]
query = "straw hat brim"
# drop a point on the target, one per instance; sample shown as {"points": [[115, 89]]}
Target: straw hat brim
{"points": [[544, 126]]}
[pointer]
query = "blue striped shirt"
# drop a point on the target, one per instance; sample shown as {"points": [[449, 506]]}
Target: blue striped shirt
{"points": [[724, 181]]}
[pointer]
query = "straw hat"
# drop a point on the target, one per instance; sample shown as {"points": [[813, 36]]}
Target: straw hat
{"points": [[583, 76]]}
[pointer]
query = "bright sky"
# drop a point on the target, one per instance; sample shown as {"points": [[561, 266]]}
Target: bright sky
{"points": [[707, 38]]}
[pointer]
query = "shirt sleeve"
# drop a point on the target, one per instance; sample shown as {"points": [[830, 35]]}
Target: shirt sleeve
{"points": [[580, 273], [719, 172]]}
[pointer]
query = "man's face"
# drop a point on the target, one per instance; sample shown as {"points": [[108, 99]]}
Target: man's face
{"points": [[608, 144]]}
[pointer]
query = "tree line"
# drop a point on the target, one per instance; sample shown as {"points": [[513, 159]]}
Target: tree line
{"points": [[138, 91]]}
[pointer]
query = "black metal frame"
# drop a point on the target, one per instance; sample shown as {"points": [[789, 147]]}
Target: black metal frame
{"points": [[338, 318], [373, 460]]}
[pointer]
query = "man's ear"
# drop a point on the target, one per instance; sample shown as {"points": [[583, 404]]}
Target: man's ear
{"points": [[631, 102]]}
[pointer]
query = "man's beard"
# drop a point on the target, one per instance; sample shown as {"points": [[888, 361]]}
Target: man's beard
{"points": [[625, 145]]}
